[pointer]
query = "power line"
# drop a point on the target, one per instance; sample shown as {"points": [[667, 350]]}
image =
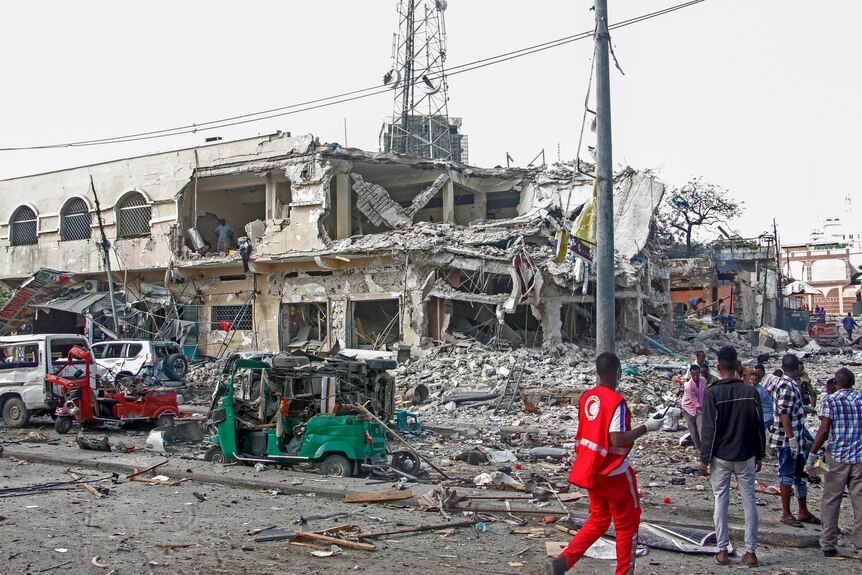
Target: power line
{"points": [[344, 96]]}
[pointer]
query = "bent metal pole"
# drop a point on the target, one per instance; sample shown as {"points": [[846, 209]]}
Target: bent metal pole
{"points": [[604, 255]]}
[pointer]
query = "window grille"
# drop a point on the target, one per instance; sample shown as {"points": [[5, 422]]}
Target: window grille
{"points": [[232, 314], [76, 221], [133, 216], [24, 227]]}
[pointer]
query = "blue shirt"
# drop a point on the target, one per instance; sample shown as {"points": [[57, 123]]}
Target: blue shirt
{"points": [[844, 408], [765, 402], [849, 324]]}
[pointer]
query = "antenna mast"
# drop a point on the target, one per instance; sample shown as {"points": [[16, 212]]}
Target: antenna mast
{"points": [[420, 123]]}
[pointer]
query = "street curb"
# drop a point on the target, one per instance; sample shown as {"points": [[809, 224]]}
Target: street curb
{"points": [[178, 469]]}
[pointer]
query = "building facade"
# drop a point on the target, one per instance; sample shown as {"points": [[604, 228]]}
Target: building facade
{"points": [[348, 248]]}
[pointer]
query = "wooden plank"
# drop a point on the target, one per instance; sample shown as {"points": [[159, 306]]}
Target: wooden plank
{"points": [[142, 471], [566, 530], [86, 486], [336, 529], [335, 540], [172, 483], [377, 496]]}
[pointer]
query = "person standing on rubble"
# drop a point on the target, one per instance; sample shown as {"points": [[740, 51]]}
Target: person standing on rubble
{"points": [[841, 424], [754, 378], [603, 441], [791, 439], [849, 325], [809, 394], [700, 359], [692, 403], [224, 234], [733, 445]]}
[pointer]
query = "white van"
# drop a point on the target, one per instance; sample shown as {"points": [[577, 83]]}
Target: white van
{"points": [[25, 360]]}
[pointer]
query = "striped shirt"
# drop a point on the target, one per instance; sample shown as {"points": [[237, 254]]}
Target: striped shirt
{"points": [[844, 408], [787, 400]]}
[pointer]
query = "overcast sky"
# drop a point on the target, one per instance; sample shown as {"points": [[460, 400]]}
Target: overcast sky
{"points": [[761, 97]]}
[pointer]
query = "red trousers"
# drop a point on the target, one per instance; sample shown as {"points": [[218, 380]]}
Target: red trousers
{"points": [[616, 498]]}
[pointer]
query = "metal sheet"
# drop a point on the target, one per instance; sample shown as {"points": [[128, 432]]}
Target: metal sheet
{"points": [[75, 303], [18, 309]]}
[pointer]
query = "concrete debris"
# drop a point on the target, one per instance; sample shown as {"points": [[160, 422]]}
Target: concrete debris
{"points": [[169, 438]]}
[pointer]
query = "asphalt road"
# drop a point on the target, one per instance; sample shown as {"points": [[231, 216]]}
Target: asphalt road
{"points": [[139, 528]]}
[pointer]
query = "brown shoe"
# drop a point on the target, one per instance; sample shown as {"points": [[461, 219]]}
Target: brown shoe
{"points": [[750, 559], [721, 557]]}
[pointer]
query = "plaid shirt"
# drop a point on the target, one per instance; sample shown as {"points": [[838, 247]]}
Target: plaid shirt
{"points": [[787, 400], [844, 408]]}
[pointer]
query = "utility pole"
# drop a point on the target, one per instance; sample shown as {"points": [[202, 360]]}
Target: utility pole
{"points": [[105, 246], [605, 288]]}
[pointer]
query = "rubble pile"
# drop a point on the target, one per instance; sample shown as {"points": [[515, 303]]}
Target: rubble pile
{"points": [[474, 416], [201, 380]]}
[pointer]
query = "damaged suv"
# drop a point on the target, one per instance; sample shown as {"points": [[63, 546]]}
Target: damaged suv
{"points": [[287, 409]]}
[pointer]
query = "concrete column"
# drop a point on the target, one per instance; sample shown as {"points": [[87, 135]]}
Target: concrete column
{"points": [[413, 321], [271, 197], [480, 205], [841, 300], [449, 202], [552, 322], [344, 207]]}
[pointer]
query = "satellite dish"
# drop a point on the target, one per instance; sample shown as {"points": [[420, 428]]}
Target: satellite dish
{"points": [[429, 86]]}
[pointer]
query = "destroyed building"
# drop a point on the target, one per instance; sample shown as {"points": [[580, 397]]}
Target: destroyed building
{"points": [[348, 248]]}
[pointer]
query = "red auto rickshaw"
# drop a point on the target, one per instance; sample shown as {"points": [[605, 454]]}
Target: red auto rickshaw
{"points": [[78, 396]]}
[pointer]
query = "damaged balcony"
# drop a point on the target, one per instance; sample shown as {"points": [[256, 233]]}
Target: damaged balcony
{"points": [[244, 201]]}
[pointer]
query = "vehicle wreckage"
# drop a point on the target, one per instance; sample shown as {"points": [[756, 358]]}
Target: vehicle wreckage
{"points": [[287, 409]]}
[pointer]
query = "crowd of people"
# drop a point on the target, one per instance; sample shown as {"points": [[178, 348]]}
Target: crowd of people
{"points": [[735, 421]]}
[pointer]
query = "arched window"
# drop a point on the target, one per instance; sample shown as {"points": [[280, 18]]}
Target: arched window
{"points": [[133, 216], [23, 231], [75, 221]]}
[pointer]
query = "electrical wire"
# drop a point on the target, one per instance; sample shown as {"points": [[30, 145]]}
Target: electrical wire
{"points": [[345, 97]]}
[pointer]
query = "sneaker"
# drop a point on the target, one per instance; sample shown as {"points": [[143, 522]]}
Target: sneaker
{"points": [[555, 566], [830, 552]]}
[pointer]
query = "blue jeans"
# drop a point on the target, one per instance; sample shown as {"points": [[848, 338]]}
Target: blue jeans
{"points": [[790, 472]]}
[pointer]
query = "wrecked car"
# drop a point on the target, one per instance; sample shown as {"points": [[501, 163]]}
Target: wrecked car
{"points": [[89, 400], [25, 360], [290, 409]]}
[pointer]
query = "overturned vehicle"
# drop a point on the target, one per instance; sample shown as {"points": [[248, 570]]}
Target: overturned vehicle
{"points": [[288, 409]]}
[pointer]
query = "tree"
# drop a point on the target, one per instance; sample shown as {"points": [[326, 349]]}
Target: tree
{"points": [[696, 204]]}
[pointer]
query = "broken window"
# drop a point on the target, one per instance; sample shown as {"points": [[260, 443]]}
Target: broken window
{"points": [[24, 227], [376, 323], [502, 205], [75, 221], [133, 216], [19, 356], [227, 317], [304, 322]]}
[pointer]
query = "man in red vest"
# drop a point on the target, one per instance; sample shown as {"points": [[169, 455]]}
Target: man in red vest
{"points": [[603, 441]]}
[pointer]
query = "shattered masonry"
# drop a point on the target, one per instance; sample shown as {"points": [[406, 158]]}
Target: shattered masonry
{"points": [[349, 248]]}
